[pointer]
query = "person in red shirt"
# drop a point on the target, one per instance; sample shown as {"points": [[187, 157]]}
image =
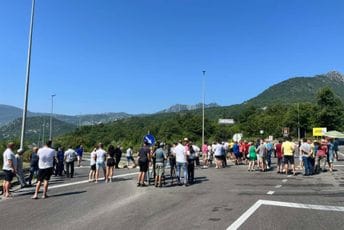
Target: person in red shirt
{"points": [[279, 155]]}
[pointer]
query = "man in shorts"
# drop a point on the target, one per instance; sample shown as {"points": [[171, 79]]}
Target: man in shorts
{"points": [[46, 167], [9, 166], [143, 159], [80, 152], [288, 148], [100, 161], [160, 157]]}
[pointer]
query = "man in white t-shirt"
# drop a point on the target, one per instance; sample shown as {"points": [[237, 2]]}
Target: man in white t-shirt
{"points": [[46, 167], [180, 153], [100, 161], [69, 157], [9, 168], [129, 155]]}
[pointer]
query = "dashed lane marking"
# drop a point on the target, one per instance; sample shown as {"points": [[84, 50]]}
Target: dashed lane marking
{"points": [[278, 186], [236, 224], [270, 192], [285, 180]]}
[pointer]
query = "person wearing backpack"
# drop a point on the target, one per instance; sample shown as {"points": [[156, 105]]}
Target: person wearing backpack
{"points": [[70, 156]]}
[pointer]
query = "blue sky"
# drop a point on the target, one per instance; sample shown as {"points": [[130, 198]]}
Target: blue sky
{"points": [[143, 56]]}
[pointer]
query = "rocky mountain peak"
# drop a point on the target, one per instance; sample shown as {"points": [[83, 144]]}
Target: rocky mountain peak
{"points": [[335, 75]]}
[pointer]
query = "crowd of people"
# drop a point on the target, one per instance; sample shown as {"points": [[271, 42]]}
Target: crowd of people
{"points": [[182, 157]]}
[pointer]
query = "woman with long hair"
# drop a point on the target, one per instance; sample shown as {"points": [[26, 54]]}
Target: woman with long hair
{"points": [[110, 163]]}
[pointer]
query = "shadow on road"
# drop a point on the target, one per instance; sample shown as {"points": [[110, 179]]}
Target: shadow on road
{"points": [[68, 194]]}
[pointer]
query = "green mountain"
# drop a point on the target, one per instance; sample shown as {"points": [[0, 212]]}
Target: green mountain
{"points": [[300, 89], [34, 129], [270, 111]]}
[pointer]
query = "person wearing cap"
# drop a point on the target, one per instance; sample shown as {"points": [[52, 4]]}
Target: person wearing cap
{"points": [[9, 168], [20, 173]]}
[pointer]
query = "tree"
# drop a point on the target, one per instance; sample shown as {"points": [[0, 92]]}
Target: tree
{"points": [[330, 109]]}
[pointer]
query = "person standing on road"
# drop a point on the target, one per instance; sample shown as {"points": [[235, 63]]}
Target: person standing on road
{"points": [[262, 151], [92, 174], [330, 155], [110, 163], [59, 162], [33, 164], [252, 156], [160, 157], [191, 157], [118, 156], [129, 155], [19, 170], [69, 157], [269, 149], [46, 166], [205, 154], [100, 162], [80, 152], [180, 153], [173, 162], [306, 152], [279, 155], [288, 148], [218, 153], [9, 168], [143, 159]]}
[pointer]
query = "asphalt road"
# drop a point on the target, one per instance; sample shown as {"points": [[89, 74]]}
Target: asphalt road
{"points": [[220, 198]]}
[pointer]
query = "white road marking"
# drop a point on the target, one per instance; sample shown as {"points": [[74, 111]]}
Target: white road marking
{"points": [[77, 182], [285, 180], [338, 165], [270, 193], [245, 216], [289, 176], [236, 224], [278, 186]]}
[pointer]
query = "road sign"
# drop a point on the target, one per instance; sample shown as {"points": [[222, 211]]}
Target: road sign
{"points": [[319, 132], [226, 121], [149, 139], [237, 137], [285, 131]]}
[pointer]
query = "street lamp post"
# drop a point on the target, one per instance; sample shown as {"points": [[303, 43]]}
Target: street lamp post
{"points": [[28, 65], [51, 117], [203, 105]]}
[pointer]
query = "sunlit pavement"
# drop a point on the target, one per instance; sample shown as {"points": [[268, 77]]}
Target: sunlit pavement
{"points": [[221, 198]]}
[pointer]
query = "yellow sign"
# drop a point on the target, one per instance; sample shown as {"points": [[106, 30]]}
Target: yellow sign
{"points": [[318, 132]]}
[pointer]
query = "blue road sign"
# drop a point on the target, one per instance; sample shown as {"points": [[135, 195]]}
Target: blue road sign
{"points": [[150, 139]]}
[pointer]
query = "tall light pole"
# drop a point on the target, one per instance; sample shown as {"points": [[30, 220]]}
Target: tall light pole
{"points": [[203, 95], [298, 122], [51, 117], [28, 65]]}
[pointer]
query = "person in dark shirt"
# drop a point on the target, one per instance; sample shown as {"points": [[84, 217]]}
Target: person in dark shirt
{"points": [[143, 160], [110, 163], [59, 162], [118, 156], [33, 164]]}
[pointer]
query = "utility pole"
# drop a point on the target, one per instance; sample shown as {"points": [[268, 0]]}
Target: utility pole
{"points": [[203, 95], [298, 122], [28, 66], [51, 117]]}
